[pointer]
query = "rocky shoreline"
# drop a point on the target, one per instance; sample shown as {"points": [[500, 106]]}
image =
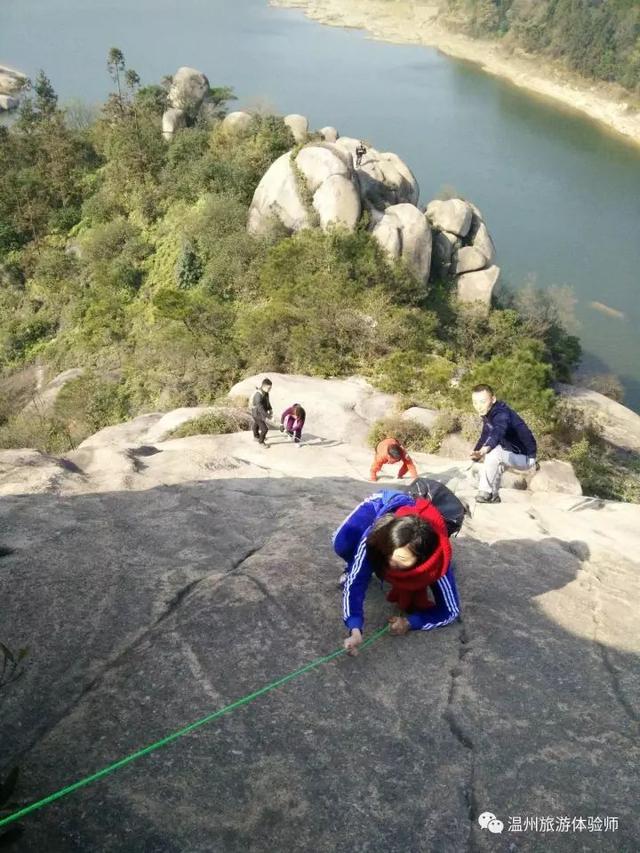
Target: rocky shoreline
{"points": [[12, 84], [404, 22]]}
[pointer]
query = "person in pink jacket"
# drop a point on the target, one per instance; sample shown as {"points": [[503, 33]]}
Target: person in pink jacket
{"points": [[292, 421]]}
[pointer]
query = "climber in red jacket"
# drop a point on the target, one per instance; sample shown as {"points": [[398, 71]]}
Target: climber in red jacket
{"points": [[389, 452]]}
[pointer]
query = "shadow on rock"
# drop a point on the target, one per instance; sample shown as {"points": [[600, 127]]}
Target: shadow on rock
{"points": [[147, 610]]}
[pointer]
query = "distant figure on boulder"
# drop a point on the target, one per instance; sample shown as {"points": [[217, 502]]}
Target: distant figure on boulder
{"points": [[505, 442], [261, 410], [403, 540], [292, 420], [360, 152], [390, 452]]}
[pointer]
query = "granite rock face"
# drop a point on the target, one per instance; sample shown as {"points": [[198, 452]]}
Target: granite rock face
{"points": [[319, 181], [620, 426], [188, 89], [298, 125], [173, 120], [453, 215], [237, 122], [385, 179], [476, 288], [156, 581], [404, 233]]}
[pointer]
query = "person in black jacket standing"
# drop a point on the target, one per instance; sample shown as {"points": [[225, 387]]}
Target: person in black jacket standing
{"points": [[505, 442], [261, 410]]}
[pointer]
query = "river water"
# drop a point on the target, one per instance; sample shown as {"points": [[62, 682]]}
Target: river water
{"points": [[561, 196]]}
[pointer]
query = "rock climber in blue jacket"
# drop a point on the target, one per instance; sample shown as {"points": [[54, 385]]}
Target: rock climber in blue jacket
{"points": [[404, 541]]}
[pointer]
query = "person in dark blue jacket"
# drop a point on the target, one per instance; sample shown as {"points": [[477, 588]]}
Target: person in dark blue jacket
{"points": [[403, 540], [505, 442]]}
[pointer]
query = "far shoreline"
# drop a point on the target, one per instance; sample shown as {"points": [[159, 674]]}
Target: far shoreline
{"points": [[407, 24]]}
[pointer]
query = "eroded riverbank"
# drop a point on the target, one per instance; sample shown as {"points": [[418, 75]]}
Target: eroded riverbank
{"points": [[404, 22]]}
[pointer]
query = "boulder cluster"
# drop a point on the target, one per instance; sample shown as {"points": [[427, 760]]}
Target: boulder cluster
{"points": [[329, 180], [323, 182]]}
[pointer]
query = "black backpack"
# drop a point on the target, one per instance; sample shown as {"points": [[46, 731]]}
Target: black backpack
{"points": [[450, 507]]}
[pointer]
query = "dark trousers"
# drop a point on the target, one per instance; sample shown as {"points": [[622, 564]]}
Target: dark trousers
{"points": [[259, 428]]}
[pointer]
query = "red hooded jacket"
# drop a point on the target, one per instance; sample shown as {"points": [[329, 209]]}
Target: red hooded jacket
{"points": [[409, 586]]}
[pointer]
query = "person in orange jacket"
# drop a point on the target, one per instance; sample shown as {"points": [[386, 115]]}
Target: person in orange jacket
{"points": [[389, 452]]}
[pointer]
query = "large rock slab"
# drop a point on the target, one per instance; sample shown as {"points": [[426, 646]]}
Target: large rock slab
{"points": [[298, 125], [425, 417], [468, 259], [188, 89], [329, 134], [337, 409], [173, 120], [237, 122], [209, 573], [337, 202], [452, 215], [384, 178], [477, 287], [620, 425], [482, 242], [277, 197], [320, 169], [404, 233], [320, 161], [555, 476], [8, 102]]}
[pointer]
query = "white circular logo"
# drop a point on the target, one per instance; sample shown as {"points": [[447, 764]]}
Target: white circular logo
{"points": [[495, 825], [485, 818]]}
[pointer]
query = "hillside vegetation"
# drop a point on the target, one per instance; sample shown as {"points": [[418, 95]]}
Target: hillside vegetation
{"points": [[128, 256], [596, 38]]}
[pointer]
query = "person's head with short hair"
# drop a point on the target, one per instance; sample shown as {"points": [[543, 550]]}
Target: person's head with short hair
{"points": [[482, 397], [266, 384], [400, 543], [395, 451]]}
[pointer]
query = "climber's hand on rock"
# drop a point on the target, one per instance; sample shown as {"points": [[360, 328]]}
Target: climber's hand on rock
{"points": [[399, 625], [352, 642], [476, 455]]}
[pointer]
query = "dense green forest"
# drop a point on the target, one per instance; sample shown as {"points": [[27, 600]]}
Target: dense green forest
{"points": [[129, 257], [597, 38]]}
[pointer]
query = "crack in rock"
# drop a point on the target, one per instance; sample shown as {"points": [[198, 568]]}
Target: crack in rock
{"points": [[169, 610], [616, 686], [460, 735]]}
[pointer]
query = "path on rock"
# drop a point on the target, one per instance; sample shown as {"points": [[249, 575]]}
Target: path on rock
{"points": [[154, 588]]}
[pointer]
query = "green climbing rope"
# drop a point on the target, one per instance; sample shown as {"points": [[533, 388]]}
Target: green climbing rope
{"points": [[244, 700]]}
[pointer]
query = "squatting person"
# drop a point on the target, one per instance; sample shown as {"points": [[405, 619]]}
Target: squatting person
{"points": [[505, 442]]}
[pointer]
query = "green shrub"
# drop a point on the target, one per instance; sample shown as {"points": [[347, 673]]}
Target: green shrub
{"points": [[214, 423], [446, 422], [411, 434], [522, 378], [422, 377], [89, 403], [44, 433]]}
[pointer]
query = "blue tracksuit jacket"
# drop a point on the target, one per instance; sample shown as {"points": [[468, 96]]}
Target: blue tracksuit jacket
{"points": [[349, 542]]}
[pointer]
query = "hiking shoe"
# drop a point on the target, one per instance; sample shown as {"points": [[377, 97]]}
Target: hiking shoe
{"points": [[487, 498], [263, 444]]}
